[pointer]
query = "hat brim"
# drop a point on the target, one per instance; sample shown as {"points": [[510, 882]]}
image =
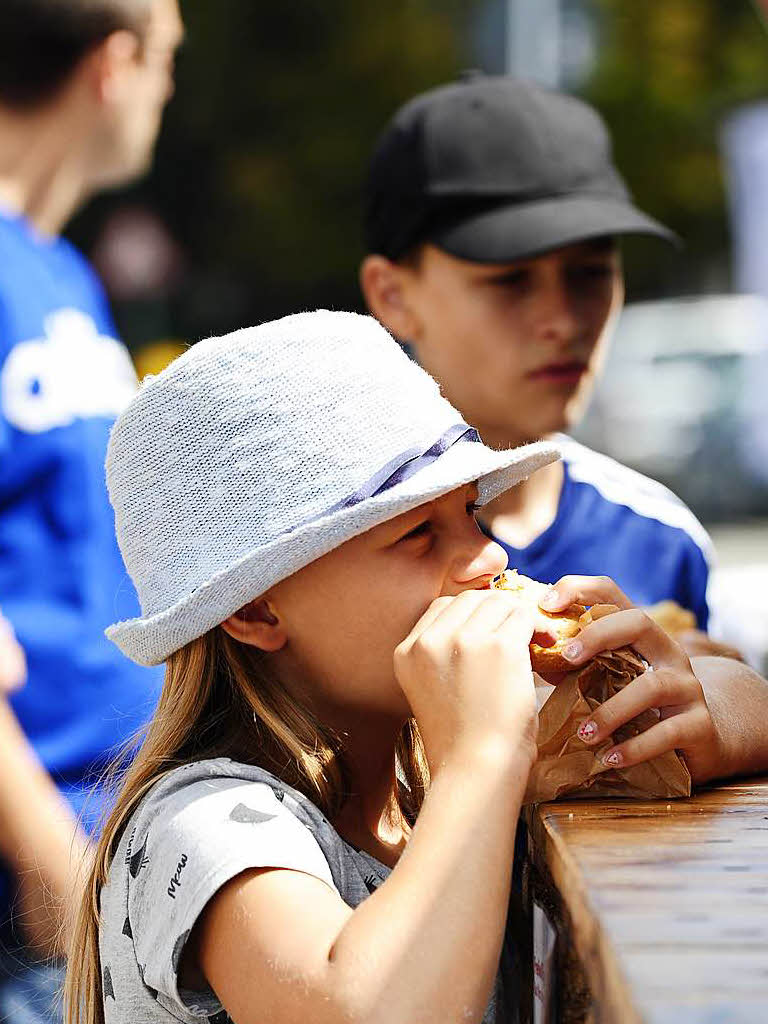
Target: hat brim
{"points": [[150, 640], [516, 231]]}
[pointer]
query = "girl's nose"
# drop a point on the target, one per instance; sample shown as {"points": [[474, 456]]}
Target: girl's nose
{"points": [[483, 559]]}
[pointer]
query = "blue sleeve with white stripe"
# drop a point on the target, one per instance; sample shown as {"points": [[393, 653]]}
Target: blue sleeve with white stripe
{"points": [[694, 578], [612, 521]]}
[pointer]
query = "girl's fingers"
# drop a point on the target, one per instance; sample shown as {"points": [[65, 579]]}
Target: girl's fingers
{"points": [[674, 733], [455, 615], [662, 689], [434, 609], [492, 615], [599, 611], [426, 620], [587, 590], [627, 628], [518, 624], [447, 614]]}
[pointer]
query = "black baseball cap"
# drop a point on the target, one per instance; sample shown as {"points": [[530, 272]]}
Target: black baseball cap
{"points": [[492, 169]]}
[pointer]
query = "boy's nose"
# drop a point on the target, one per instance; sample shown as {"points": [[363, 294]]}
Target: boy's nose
{"points": [[558, 319]]}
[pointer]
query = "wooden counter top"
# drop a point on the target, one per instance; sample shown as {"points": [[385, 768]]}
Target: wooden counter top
{"points": [[664, 904]]}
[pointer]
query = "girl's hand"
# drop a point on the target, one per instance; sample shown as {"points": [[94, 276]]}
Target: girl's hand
{"points": [[466, 672], [669, 683], [13, 666]]}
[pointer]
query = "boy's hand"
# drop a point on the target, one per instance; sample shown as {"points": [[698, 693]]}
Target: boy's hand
{"points": [[13, 665], [700, 645], [668, 684]]}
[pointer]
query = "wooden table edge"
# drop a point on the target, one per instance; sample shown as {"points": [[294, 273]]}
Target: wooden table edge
{"points": [[550, 855]]}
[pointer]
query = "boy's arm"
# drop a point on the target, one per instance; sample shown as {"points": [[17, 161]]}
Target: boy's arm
{"points": [[737, 698], [39, 839], [701, 645]]}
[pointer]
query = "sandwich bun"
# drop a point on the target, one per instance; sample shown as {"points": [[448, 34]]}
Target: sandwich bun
{"points": [[552, 630]]}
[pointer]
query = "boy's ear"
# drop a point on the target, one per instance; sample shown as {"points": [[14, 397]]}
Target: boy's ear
{"points": [[109, 66], [256, 624], [384, 285]]}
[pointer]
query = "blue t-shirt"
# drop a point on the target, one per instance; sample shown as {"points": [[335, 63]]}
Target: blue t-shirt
{"points": [[63, 379], [613, 521]]}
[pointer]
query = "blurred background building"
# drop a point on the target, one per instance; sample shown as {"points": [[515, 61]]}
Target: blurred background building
{"points": [[254, 207]]}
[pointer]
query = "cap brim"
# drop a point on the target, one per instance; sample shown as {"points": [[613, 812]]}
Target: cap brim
{"points": [[515, 231], [152, 639]]}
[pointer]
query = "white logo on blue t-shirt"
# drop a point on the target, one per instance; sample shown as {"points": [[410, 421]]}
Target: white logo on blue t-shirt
{"points": [[72, 372]]}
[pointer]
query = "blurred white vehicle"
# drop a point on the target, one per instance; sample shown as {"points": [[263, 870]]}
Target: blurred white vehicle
{"points": [[684, 399], [740, 610]]}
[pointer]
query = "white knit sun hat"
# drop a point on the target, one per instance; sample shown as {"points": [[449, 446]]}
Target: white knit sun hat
{"points": [[254, 454]]}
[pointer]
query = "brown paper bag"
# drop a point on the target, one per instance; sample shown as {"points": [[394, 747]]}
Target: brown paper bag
{"points": [[566, 767]]}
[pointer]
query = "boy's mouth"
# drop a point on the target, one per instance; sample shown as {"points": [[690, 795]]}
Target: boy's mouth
{"points": [[560, 373]]}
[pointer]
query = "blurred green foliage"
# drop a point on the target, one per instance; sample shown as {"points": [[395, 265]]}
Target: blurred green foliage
{"points": [[262, 159], [668, 73]]}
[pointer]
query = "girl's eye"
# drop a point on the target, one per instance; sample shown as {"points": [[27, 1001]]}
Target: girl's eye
{"points": [[473, 507], [422, 530]]}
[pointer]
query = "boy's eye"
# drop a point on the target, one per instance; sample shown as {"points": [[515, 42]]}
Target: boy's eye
{"points": [[592, 271], [511, 279]]}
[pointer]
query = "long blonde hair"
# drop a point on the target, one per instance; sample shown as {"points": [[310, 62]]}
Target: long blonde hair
{"points": [[219, 700]]}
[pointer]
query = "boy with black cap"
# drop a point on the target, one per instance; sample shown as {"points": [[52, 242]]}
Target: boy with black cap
{"points": [[493, 209]]}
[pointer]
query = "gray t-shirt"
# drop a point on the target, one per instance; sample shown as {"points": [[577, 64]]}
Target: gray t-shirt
{"points": [[197, 828]]}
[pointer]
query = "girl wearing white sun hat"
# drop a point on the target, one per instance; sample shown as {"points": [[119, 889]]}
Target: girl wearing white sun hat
{"points": [[255, 454], [295, 504]]}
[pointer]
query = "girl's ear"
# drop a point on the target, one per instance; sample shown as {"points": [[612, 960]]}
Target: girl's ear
{"points": [[257, 624]]}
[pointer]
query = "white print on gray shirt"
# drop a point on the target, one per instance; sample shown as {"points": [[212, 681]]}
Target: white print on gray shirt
{"points": [[197, 828]]}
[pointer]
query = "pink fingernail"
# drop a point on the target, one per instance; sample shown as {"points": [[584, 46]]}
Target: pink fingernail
{"points": [[573, 650], [613, 759], [587, 731]]}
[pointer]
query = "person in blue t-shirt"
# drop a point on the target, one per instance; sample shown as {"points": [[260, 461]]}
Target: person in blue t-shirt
{"points": [[39, 840], [493, 212], [83, 84]]}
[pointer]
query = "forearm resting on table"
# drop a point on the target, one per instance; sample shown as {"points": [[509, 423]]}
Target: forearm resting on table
{"points": [[39, 840], [424, 947], [737, 698]]}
